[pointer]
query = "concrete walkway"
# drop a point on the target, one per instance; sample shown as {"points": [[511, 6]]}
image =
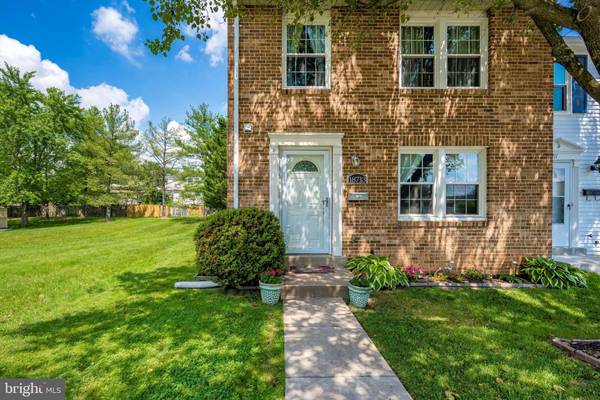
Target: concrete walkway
{"points": [[588, 263], [328, 355]]}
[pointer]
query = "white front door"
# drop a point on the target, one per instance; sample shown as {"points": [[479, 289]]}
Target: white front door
{"points": [[306, 201], [561, 204]]}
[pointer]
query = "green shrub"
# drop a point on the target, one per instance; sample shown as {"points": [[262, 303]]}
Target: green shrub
{"points": [[378, 272], [553, 274], [473, 275], [237, 245]]}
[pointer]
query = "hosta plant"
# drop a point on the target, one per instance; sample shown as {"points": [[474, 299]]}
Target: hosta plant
{"points": [[378, 272], [553, 274], [510, 278]]}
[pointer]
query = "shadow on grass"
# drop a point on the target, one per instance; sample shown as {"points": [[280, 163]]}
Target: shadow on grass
{"points": [[486, 343], [40, 222], [161, 343]]}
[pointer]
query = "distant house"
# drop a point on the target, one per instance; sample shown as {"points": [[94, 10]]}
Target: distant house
{"points": [[175, 188], [430, 141], [575, 211]]}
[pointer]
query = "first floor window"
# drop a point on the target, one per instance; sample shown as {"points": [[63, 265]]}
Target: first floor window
{"points": [[441, 183], [416, 183]]}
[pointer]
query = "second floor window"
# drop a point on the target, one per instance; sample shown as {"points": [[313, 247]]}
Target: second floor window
{"points": [[443, 52], [306, 59]]}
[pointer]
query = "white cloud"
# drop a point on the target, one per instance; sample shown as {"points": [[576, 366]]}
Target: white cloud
{"points": [[184, 54], [103, 95], [127, 7], [216, 45], [116, 31], [48, 74], [27, 59]]}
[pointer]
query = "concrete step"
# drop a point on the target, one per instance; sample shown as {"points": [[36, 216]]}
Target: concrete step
{"points": [[316, 285], [568, 251]]}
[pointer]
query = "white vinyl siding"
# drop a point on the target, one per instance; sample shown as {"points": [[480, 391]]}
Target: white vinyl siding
{"points": [[584, 130]]}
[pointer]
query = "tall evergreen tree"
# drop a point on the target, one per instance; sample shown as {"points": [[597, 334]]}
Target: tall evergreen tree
{"points": [[108, 156], [205, 152]]}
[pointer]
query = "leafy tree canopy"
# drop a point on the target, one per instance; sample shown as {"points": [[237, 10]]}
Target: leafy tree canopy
{"points": [[550, 16]]}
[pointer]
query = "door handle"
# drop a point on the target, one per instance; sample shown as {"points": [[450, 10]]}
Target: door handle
{"points": [[325, 202], [569, 206]]}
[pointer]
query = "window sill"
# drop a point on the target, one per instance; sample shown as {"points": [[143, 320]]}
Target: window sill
{"points": [[306, 90], [425, 218]]}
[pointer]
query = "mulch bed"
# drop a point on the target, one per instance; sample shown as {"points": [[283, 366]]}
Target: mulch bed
{"points": [[494, 283], [584, 350]]}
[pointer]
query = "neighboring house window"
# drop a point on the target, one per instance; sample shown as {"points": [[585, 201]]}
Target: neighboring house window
{"points": [[306, 54], [579, 95], [418, 56], [444, 52], [560, 88], [566, 88], [441, 183]]}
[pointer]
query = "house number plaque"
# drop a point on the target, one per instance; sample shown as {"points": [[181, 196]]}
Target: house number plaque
{"points": [[358, 196], [358, 179]]}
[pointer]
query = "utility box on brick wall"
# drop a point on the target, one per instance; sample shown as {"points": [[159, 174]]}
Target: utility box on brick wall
{"points": [[3, 218]]}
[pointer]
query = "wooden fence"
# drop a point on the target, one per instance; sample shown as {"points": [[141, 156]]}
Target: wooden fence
{"points": [[155, 210]]}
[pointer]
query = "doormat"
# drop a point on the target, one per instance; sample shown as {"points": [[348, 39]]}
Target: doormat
{"points": [[323, 269]]}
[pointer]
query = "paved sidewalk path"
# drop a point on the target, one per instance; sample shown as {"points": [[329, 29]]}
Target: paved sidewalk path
{"points": [[588, 263], [328, 355]]}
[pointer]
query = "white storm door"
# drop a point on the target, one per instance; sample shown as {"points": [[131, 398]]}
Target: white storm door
{"points": [[561, 205], [306, 201]]}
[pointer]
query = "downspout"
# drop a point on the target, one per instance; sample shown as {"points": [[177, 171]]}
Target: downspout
{"points": [[236, 113]]}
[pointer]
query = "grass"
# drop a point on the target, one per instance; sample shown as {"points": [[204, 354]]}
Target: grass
{"points": [[93, 303], [486, 344]]}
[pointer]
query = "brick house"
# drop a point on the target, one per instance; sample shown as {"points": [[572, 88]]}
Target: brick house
{"points": [[428, 141]]}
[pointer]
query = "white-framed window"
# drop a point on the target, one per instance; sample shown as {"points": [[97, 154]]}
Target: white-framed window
{"points": [[307, 53], [444, 52], [442, 183]]}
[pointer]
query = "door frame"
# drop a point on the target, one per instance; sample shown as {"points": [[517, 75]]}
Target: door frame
{"points": [[567, 152], [281, 141], [326, 179]]}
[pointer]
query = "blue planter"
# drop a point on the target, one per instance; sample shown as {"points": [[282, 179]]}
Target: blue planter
{"points": [[359, 296], [269, 293]]}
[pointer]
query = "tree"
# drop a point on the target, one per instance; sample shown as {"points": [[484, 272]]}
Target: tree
{"points": [[107, 156], [37, 133], [160, 143], [550, 16], [206, 153], [147, 183]]}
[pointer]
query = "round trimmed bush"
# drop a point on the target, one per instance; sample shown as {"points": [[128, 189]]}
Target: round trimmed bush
{"points": [[237, 245]]}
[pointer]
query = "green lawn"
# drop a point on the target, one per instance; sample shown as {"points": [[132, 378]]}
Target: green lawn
{"points": [[486, 344], [94, 303]]}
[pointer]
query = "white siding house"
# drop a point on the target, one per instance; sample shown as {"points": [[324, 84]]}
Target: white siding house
{"points": [[576, 217]]}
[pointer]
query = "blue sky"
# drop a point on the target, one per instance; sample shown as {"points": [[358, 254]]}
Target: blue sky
{"points": [[96, 49]]}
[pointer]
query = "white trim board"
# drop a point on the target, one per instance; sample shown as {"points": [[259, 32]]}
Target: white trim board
{"points": [[309, 140]]}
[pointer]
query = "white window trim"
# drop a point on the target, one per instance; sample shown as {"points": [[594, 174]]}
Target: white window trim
{"points": [[439, 185], [440, 24], [324, 19]]}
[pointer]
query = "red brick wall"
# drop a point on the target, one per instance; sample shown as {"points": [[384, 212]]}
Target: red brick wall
{"points": [[513, 117]]}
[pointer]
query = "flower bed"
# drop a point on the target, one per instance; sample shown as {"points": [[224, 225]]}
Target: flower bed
{"points": [[584, 350]]}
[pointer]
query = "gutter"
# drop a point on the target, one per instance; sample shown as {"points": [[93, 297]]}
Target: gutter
{"points": [[236, 112]]}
